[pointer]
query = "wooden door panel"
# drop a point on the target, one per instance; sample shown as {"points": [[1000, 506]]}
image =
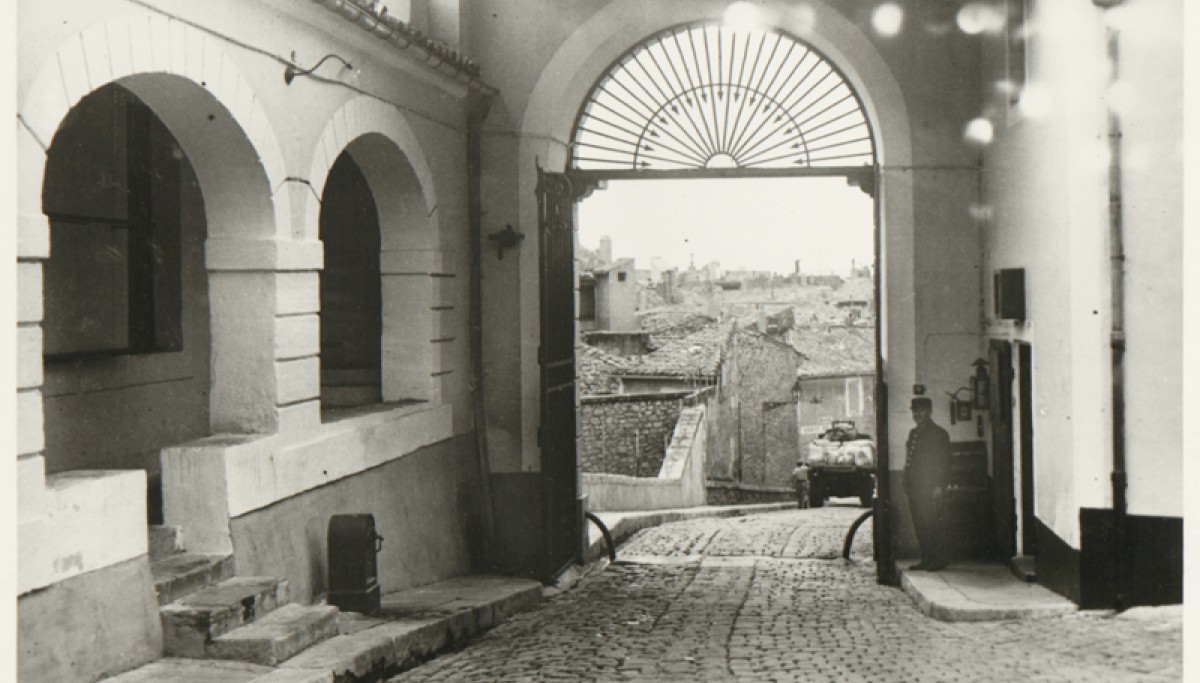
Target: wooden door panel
{"points": [[556, 357], [1003, 493]]}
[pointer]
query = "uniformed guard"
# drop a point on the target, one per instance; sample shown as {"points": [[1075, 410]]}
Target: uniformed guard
{"points": [[926, 470]]}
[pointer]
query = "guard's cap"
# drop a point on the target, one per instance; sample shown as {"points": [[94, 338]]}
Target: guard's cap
{"points": [[921, 402]]}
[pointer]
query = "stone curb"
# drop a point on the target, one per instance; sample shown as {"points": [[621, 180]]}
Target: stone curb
{"points": [[946, 603], [629, 523]]}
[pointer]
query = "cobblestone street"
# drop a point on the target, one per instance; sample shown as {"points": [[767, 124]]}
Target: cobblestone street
{"points": [[768, 598]]}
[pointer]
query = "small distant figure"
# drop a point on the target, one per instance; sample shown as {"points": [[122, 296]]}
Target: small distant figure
{"points": [[800, 482]]}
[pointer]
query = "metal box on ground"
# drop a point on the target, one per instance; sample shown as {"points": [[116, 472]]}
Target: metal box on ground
{"points": [[353, 546]]}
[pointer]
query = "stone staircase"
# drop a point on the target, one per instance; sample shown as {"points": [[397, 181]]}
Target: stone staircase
{"points": [[208, 613], [243, 629]]}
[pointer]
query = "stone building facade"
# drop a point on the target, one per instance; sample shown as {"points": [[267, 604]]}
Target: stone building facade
{"points": [[209, 335], [767, 431]]}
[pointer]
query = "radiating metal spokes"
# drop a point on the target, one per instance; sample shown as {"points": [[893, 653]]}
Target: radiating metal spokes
{"points": [[709, 96]]}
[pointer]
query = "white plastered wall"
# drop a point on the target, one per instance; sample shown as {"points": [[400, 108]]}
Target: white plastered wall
{"points": [[1151, 54], [1048, 184]]}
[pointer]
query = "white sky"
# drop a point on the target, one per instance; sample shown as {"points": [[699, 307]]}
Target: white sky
{"points": [[759, 224]]}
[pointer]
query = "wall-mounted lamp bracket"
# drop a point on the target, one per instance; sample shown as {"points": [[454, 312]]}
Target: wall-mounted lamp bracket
{"points": [[291, 72], [980, 385], [505, 239], [960, 408]]}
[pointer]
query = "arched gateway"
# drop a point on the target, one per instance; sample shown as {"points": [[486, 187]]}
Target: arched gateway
{"points": [[700, 99]]}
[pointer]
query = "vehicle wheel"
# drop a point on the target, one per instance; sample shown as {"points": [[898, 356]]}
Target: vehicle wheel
{"points": [[867, 495]]}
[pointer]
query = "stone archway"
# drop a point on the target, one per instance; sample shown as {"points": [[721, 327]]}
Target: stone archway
{"points": [[598, 42], [221, 126], [415, 333]]}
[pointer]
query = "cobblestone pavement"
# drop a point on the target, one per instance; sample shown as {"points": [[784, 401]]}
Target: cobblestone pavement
{"points": [[767, 598]]}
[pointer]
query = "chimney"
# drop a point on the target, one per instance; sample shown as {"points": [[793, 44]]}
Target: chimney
{"points": [[606, 249]]}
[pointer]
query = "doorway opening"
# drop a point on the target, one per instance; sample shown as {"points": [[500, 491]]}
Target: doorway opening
{"points": [[1003, 479], [1027, 519], [738, 108], [752, 297]]}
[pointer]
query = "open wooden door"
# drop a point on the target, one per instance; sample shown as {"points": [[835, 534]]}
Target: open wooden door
{"points": [[556, 356], [1028, 534], [1000, 401]]}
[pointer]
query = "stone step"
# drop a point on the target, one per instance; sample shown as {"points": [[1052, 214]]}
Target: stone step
{"points": [[1024, 567], [190, 623], [178, 575], [193, 671], [277, 636], [164, 541], [416, 624]]}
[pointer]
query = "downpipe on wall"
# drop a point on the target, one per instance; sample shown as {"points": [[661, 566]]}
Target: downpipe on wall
{"points": [[478, 104], [1120, 478]]}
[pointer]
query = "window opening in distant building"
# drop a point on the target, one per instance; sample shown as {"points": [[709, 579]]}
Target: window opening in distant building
{"points": [[587, 300]]}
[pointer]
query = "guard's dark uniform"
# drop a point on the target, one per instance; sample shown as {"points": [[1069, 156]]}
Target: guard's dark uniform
{"points": [[926, 468]]}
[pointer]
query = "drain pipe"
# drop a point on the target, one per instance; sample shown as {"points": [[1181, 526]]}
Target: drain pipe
{"points": [[1120, 477], [478, 104]]}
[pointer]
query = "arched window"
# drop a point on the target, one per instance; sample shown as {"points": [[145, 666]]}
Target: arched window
{"points": [[711, 96], [351, 318]]}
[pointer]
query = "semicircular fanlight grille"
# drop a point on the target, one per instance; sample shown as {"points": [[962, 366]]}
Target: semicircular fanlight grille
{"points": [[710, 96]]}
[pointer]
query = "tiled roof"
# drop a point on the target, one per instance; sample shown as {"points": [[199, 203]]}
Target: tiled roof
{"points": [[672, 322], [598, 371], [689, 356], [834, 349]]}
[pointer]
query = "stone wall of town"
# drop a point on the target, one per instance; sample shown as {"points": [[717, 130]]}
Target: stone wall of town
{"points": [[627, 433], [732, 493]]}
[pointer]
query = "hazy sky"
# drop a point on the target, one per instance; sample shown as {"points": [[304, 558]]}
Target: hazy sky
{"points": [[759, 224]]}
